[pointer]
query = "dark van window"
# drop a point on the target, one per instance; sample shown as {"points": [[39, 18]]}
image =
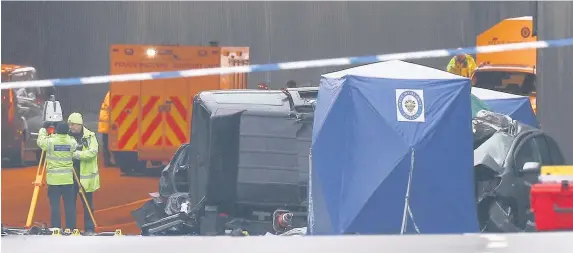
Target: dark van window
{"points": [[527, 153], [554, 151], [543, 148]]}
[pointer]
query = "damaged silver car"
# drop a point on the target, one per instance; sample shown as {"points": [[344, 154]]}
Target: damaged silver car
{"points": [[508, 156]]}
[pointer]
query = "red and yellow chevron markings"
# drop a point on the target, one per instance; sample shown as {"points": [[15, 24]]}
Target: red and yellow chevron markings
{"points": [[124, 113], [151, 121], [177, 128]]}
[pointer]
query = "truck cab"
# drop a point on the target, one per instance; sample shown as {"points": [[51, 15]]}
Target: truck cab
{"points": [[509, 71], [514, 79]]}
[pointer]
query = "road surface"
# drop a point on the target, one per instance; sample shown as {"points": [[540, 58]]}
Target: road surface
{"points": [[470, 243], [115, 200]]}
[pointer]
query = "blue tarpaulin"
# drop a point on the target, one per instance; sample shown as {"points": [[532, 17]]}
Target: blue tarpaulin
{"points": [[517, 107], [378, 125]]}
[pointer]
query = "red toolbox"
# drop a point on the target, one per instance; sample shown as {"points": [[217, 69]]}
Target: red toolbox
{"points": [[552, 204]]}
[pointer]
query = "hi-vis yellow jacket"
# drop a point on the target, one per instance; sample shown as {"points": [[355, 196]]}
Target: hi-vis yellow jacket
{"points": [[59, 150], [465, 69], [89, 170], [103, 125]]}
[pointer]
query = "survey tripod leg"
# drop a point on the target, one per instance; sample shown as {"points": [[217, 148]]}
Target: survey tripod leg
{"points": [[52, 112], [37, 183], [83, 194]]}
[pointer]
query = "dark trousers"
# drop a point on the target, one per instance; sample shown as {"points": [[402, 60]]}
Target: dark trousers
{"points": [[106, 153], [88, 223], [55, 194]]}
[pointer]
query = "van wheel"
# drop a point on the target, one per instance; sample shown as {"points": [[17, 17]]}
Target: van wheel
{"points": [[128, 162], [17, 158], [38, 156]]}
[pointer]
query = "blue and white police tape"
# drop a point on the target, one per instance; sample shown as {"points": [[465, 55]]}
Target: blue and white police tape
{"points": [[288, 65]]}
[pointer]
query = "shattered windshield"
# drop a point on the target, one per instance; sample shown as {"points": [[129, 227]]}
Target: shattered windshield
{"points": [[497, 146], [493, 135]]}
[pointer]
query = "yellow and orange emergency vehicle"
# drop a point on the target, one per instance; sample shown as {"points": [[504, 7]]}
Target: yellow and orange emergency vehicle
{"points": [[150, 119], [510, 71]]}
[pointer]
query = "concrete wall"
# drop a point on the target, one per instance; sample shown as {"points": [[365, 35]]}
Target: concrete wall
{"points": [[555, 75], [70, 39]]}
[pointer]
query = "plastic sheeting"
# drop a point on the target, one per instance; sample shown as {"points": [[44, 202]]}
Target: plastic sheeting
{"points": [[515, 106], [478, 105], [365, 146]]}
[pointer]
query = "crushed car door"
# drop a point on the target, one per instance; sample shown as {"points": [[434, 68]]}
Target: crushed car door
{"points": [[180, 170], [527, 151], [167, 185]]}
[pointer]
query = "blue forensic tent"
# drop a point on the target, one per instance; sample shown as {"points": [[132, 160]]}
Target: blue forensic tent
{"points": [[515, 106], [375, 127]]}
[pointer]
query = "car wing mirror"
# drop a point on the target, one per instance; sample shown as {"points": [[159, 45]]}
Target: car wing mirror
{"points": [[180, 167], [531, 167]]}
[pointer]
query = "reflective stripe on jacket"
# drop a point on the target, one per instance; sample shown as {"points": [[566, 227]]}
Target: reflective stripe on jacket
{"points": [[465, 69], [89, 171], [103, 124], [59, 150]]}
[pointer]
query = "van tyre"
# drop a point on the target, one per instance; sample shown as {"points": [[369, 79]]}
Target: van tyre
{"points": [[38, 156], [17, 157], [128, 162]]}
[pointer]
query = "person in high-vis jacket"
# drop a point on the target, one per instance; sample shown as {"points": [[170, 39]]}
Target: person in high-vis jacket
{"points": [[59, 148], [103, 128], [462, 65], [85, 163]]}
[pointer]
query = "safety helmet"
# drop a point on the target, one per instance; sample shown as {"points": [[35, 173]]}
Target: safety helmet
{"points": [[460, 56], [76, 118]]}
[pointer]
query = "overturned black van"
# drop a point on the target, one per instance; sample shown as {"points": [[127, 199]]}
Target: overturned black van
{"points": [[246, 164]]}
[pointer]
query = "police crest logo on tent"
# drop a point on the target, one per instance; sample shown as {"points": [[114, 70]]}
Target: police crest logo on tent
{"points": [[410, 105]]}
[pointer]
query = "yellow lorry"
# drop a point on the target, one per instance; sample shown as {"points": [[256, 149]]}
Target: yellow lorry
{"points": [[150, 119], [511, 71]]}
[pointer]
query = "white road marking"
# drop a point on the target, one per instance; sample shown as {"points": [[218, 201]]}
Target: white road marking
{"points": [[495, 241], [497, 245]]}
